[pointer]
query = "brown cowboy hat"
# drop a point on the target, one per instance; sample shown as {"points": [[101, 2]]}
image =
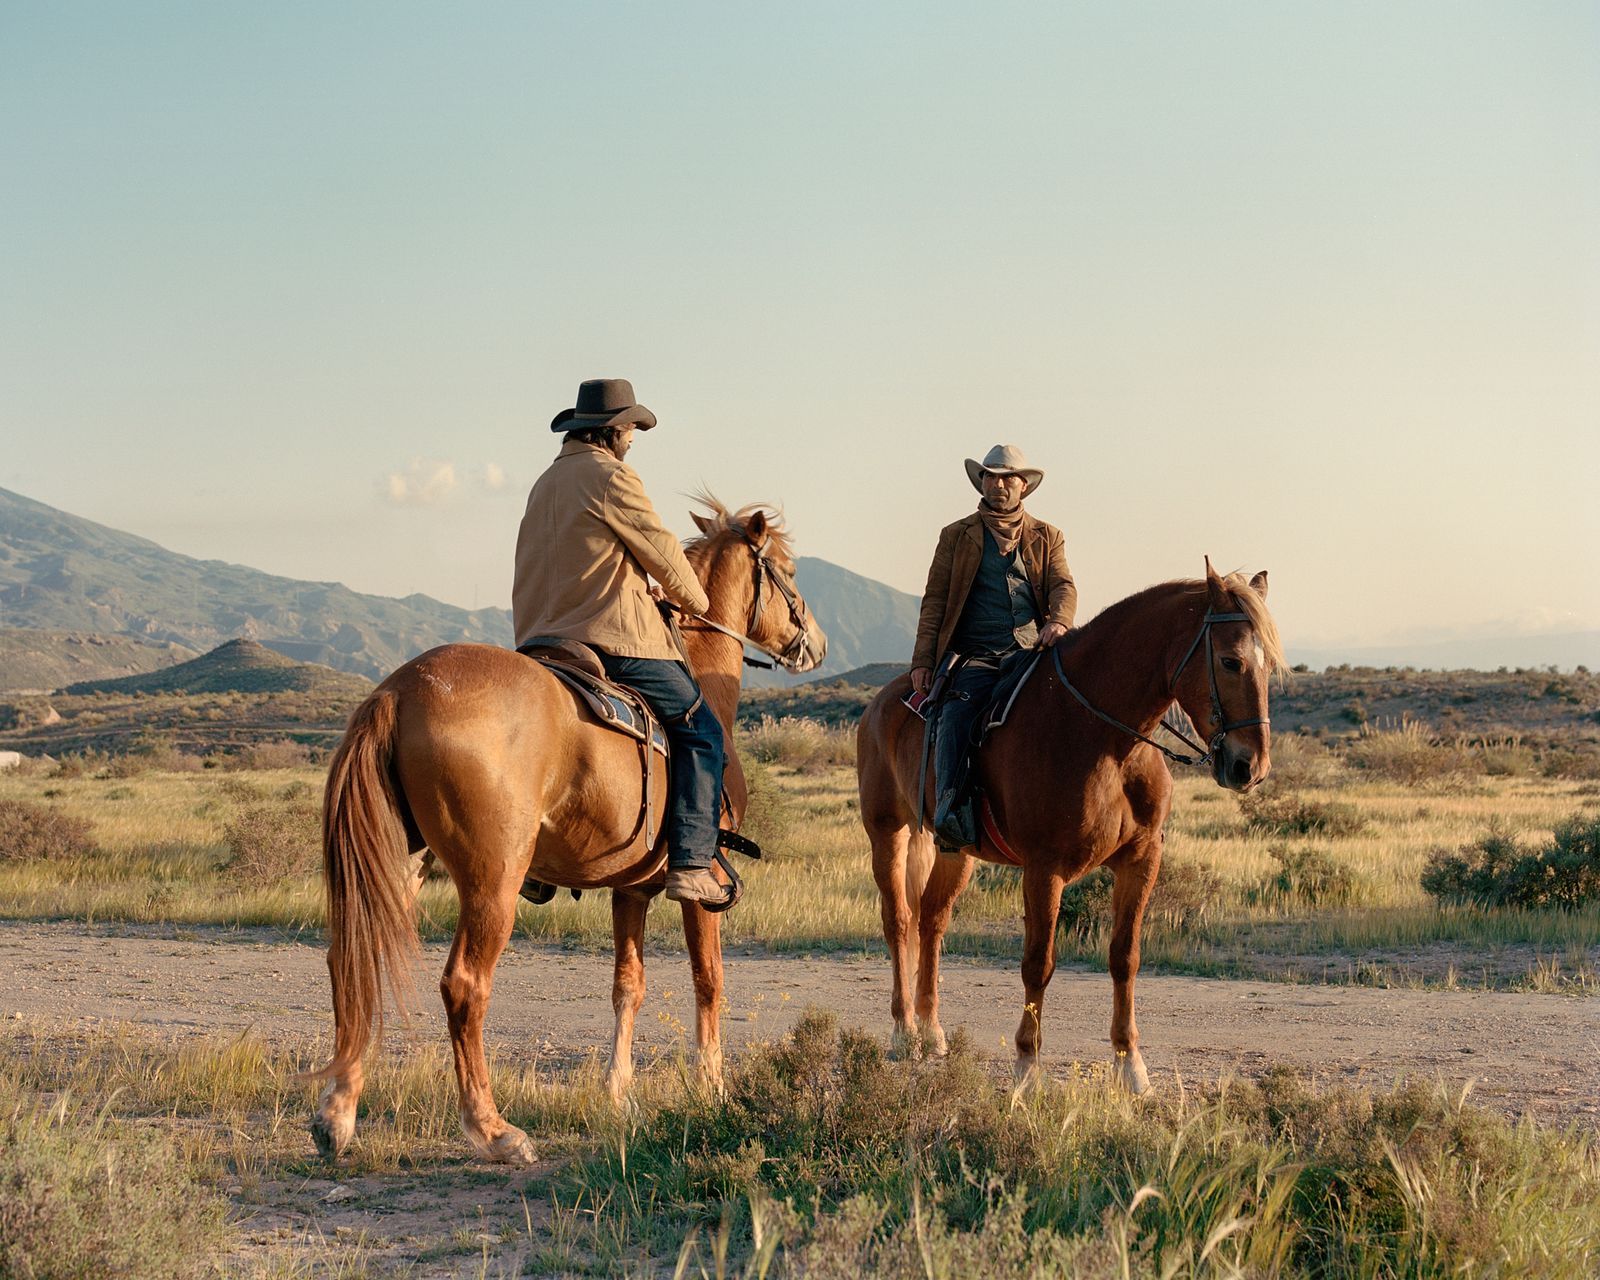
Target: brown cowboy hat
{"points": [[1004, 460], [604, 402]]}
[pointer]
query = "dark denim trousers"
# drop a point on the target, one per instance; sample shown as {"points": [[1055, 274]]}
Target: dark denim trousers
{"points": [[698, 752]]}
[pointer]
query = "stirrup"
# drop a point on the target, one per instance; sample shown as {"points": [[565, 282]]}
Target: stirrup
{"points": [[539, 893]]}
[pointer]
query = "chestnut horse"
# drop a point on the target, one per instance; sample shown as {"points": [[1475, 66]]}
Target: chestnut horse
{"points": [[484, 759], [1072, 782]]}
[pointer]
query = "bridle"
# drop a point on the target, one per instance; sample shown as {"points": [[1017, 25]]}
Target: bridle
{"points": [[798, 654], [1225, 726]]}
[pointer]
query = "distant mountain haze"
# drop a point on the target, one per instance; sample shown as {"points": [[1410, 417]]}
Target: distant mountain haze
{"points": [[62, 573]]}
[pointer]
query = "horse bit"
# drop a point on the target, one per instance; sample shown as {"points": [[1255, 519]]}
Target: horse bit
{"points": [[1226, 726], [798, 651]]}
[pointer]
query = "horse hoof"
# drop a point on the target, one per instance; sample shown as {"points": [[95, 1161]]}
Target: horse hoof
{"points": [[1026, 1079], [618, 1087], [1128, 1069], [934, 1042], [511, 1147], [331, 1136]]}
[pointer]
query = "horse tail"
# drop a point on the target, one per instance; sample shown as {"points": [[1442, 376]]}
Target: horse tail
{"points": [[372, 933]]}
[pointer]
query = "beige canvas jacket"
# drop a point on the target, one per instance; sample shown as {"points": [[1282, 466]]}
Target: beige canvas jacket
{"points": [[955, 565], [588, 539]]}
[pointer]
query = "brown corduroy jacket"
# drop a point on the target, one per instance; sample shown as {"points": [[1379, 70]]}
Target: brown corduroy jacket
{"points": [[588, 539], [955, 565]]}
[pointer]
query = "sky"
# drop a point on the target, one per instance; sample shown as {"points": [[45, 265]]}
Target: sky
{"points": [[1306, 287]]}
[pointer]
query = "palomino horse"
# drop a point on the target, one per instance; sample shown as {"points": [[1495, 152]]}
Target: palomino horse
{"points": [[1072, 782], [483, 758]]}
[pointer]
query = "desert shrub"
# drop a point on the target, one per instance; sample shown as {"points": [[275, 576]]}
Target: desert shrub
{"points": [[800, 742], [244, 790], [33, 832], [1409, 754], [1280, 812], [81, 1198], [1185, 894], [269, 841], [1495, 871], [1308, 876], [80, 764], [769, 814], [1505, 757], [1579, 761], [280, 754]]}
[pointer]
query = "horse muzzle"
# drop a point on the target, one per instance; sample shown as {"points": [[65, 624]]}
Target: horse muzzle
{"points": [[1239, 767]]}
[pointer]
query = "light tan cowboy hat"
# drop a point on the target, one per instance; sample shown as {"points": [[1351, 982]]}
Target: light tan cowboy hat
{"points": [[604, 402], [1004, 460]]}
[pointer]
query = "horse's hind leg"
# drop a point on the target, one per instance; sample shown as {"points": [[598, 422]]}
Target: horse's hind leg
{"points": [[703, 931], [1135, 870], [947, 878], [1041, 903], [487, 913], [627, 984]]}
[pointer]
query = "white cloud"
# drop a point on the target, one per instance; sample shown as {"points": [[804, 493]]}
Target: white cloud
{"points": [[425, 482], [495, 479]]}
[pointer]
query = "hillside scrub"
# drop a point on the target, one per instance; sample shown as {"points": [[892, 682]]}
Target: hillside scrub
{"points": [[1496, 871], [35, 833]]}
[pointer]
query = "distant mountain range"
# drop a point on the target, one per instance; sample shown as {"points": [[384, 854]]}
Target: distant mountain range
{"points": [[62, 573]]}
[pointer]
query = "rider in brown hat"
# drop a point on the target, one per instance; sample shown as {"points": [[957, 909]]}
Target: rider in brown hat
{"points": [[999, 584], [589, 543]]}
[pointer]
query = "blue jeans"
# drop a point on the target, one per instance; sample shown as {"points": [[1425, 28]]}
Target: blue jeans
{"points": [[698, 752]]}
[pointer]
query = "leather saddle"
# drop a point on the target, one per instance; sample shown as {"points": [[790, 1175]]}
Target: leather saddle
{"points": [[614, 705]]}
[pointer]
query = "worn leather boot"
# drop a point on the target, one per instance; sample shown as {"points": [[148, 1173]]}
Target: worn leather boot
{"points": [[955, 822], [698, 884]]}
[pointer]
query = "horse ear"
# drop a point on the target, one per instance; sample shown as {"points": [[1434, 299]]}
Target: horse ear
{"points": [[701, 522], [1218, 593], [755, 527], [1258, 584]]}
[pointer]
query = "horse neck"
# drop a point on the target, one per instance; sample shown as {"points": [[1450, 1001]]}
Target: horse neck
{"points": [[718, 660], [1122, 661]]}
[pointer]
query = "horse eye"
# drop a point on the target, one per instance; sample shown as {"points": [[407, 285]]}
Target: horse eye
{"points": [[1232, 664]]}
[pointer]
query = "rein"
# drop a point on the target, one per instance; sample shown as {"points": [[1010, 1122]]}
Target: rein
{"points": [[793, 655], [1225, 726]]}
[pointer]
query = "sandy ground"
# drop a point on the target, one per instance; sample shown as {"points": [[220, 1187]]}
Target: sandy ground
{"points": [[1522, 1053]]}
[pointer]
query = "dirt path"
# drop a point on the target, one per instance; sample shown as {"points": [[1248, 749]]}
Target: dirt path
{"points": [[1523, 1053]]}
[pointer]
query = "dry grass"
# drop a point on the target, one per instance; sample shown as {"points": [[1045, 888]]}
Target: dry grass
{"points": [[823, 1160], [1345, 900]]}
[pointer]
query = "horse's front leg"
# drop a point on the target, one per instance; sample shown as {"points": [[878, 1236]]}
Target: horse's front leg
{"points": [[628, 907], [898, 899], [1041, 901], [1135, 870], [947, 878], [702, 931]]}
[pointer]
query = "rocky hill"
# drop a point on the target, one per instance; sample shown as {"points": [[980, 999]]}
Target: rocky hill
{"points": [[38, 661], [59, 572], [240, 666]]}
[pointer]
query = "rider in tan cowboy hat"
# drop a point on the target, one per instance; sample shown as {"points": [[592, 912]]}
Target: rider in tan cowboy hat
{"points": [[589, 543], [999, 584]]}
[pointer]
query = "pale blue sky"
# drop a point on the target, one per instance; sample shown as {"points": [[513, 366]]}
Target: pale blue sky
{"points": [[1305, 286]]}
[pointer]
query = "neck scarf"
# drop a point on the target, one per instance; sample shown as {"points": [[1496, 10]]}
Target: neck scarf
{"points": [[1005, 526]]}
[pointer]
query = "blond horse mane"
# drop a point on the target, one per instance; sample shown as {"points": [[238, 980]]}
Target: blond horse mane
{"points": [[722, 522]]}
